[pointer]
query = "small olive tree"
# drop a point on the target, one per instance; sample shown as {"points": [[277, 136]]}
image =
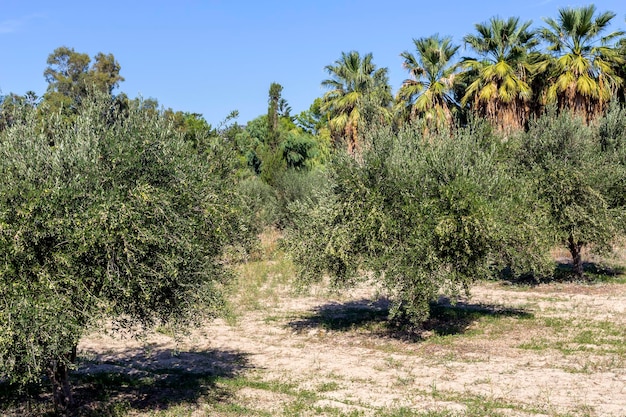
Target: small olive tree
{"points": [[113, 218], [578, 171], [423, 213]]}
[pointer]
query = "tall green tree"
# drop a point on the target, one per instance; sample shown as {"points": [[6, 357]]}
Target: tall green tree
{"points": [[273, 143], [582, 68], [274, 99], [498, 80], [104, 73], [71, 76], [273, 163], [356, 89], [429, 93]]}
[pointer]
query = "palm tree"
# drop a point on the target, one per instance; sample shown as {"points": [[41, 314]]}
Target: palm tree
{"points": [[583, 66], [356, 87], [498, 81], [429, 91], [621, 69]]}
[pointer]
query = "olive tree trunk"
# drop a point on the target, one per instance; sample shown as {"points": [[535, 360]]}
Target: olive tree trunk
{"points": [[575, 249], [58, 371]]}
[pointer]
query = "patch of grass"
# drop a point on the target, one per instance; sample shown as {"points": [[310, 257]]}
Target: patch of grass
{"points": [[570, 336], [336, 412], [409, 412], [260, 285], [273, 319], [404, 381], [299, 400], [480, 405], [394, 363], [477, 405], [262, 281], [260, 384], [234, 409], [558, 324], [328, 387], [539, 343], [594, 364]]}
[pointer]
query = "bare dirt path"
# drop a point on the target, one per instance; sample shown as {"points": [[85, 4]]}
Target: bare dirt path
{"points": [[554, 350]]}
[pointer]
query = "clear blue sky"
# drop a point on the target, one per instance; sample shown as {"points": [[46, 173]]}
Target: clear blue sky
{"points": [[215, 56]]}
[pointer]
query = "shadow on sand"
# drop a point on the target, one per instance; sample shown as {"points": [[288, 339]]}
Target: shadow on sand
{"points": [[594, 272], [446, 318], [149, 379]]}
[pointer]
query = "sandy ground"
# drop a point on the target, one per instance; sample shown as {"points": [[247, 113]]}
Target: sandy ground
{"points": [[361, 369]]}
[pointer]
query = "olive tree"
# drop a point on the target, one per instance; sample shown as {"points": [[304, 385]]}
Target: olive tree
{"points": [[578, 173], [422, 214], [114, 219]]}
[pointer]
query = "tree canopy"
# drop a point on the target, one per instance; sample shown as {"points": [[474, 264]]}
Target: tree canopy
{"points": [[499, 79], [429, 93], [582, 64], [123, 221], [355, 82], [71, 76]]}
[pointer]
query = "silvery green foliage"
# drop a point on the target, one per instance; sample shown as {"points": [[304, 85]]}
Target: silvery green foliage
{"points": [[421, 213], [612, 136], [108, 216], [578, 173]]}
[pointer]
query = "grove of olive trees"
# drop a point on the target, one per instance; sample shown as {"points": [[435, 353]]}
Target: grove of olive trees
{"points": [[113, 210]]}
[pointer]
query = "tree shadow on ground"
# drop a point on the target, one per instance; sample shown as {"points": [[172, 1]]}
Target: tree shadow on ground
{"points": [[446, 318], [595, 272], [149, 379]]}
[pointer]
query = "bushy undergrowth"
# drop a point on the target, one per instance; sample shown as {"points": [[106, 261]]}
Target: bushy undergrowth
{"points": [[271, 203]]}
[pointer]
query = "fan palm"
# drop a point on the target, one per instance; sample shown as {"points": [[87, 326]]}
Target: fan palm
{"points": [[356, 87], [621, 68], [583, 64], [498, 81], [429, 91]]}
